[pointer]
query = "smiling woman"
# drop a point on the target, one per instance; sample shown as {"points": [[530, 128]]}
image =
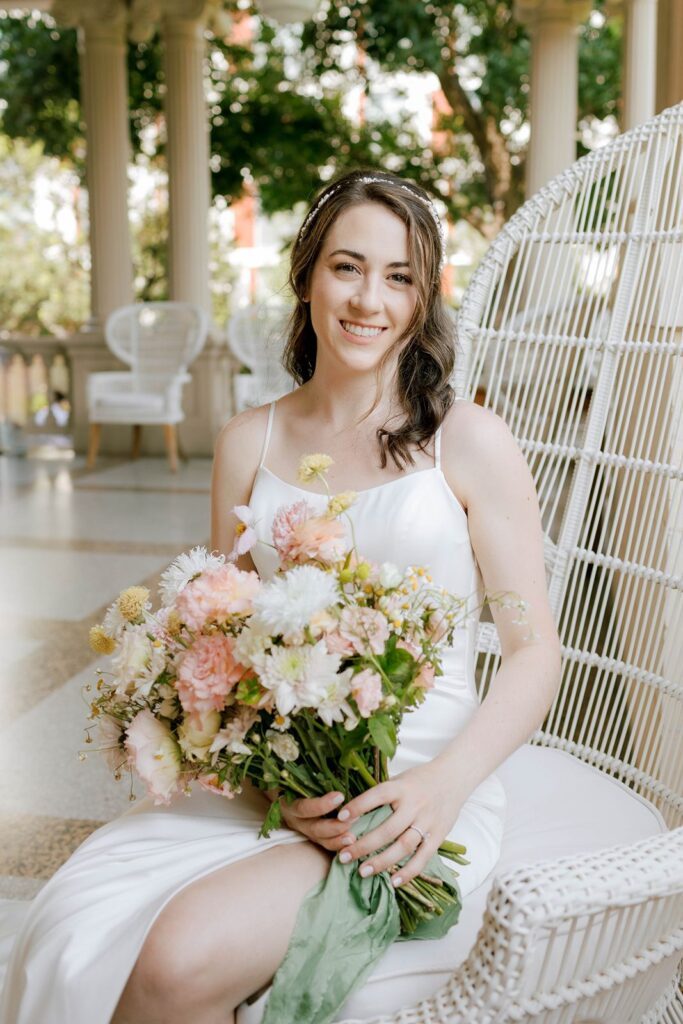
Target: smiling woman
{"points": [[158, 918]]}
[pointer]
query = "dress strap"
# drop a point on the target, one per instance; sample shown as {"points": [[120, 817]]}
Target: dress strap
{"points": [[268, 430], [437, 448]]}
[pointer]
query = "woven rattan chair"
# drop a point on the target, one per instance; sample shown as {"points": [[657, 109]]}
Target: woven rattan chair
{"points": [[158, 341], [256, 337], [571, 330]]}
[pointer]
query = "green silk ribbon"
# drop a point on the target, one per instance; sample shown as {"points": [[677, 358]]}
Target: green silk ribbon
{"points": [[344, 925]]}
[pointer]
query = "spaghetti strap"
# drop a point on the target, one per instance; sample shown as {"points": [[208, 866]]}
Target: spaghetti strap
{"points": [[268, 430], [437, 448]]}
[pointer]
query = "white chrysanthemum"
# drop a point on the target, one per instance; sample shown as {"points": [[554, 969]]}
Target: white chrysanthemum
{"points": [[334, 706], [299, 677], [284, 745], [251, 645], [286, 603], [137, 663], [183, 569]]}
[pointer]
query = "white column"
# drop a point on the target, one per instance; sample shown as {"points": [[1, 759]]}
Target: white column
{"points": [[104, 90], [188, 159], [640, 56], [554, 85]]}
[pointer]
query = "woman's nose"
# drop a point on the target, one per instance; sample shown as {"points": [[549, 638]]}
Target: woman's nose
{"points": [[367, 296]]}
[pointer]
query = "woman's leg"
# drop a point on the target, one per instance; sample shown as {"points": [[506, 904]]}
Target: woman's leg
{"points": [[221, 939]]}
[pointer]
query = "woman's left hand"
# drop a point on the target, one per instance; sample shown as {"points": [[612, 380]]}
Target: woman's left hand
{"points": [[419, 796]]}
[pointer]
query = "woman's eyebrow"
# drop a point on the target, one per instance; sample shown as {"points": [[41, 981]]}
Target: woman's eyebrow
{"points": [[359, 256]]}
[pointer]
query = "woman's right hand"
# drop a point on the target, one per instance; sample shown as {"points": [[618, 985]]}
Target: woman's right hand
{"points": [[308, 816]]}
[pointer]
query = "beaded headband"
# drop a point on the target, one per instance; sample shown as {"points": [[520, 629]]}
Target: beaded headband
{"points": [[313, 212]]}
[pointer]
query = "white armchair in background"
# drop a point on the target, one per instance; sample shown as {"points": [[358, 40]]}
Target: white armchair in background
{"points": [[159, 341], [256, 336]]}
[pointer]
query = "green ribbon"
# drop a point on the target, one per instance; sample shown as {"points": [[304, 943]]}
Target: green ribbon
{"points": [[344, 925]]}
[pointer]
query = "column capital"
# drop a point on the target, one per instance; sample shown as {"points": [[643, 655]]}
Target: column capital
{"points": [[146, 15], [533, 12], [107, 16]]}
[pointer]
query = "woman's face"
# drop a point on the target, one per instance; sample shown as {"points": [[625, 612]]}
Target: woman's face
{"points": [[362, 291]]}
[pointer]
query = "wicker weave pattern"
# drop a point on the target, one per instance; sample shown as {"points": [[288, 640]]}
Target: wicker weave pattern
{"points": [[572, 330]]}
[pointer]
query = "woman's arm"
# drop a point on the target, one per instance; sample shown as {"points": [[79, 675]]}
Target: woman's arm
{"points": [[486, 469], [481, 454]]}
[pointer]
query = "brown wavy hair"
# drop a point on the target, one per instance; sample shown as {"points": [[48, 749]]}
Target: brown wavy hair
{"points": [[425, 364]]}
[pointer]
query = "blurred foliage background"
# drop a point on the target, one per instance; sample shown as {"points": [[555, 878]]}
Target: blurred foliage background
{"points": [[281, 124]]}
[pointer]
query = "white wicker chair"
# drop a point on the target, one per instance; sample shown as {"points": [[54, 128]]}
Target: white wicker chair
{"points": [[256, 336], [571, 330], [159, 341]]}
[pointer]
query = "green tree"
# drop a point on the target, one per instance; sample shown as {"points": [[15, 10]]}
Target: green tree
{"points": [[276, 106]]}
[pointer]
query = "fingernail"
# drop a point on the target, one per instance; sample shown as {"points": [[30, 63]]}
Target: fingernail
{"points": [[396, 880], [343, 815], [347, 840], [345, 857], [338, 799], [366, 870]]}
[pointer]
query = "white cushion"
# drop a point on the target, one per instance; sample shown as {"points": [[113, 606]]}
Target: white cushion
{"points": [[131, 399], [557, 806]]}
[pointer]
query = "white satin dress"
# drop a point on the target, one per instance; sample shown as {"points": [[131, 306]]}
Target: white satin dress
{"points": [[81, 935]]}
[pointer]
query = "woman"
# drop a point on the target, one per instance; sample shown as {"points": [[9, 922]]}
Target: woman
{"points": [[133, 928]]}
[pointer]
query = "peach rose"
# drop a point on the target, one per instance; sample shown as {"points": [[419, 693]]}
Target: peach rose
{"points": [[300, 536], [155, 755]]}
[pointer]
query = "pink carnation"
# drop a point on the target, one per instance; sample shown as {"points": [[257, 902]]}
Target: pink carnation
{"points": [[215, 596], [409, 646], [211, 783], [207, 672], [363, 627], [299, 535], [338, 644], [367, 691]]}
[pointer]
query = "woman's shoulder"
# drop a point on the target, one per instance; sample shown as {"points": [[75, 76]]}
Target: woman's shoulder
{"points": [[476, 443], [240, 439]]}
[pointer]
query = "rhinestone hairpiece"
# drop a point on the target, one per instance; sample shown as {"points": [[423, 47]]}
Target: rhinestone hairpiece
{"points": [[312, 213]]}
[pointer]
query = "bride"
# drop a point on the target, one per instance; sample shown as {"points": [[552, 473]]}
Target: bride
{"points": [[170, 915]]}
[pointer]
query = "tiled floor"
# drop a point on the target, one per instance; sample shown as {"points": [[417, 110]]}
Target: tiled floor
{"points": [[70, 540]]}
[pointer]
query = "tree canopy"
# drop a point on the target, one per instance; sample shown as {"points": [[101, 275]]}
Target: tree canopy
{"points": [[277, 104]]}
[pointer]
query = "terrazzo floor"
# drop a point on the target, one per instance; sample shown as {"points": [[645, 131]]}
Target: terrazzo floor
{"points": [[70, 540]]}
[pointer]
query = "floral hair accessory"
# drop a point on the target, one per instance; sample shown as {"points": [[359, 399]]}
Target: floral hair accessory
{"points": [[369, 179]]}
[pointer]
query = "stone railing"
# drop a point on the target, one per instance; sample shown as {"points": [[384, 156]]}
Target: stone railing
{"points": [[35, 388]]}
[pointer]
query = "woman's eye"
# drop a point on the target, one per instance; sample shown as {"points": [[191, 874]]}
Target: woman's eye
{"points": [[345, 266], [403, 278]]}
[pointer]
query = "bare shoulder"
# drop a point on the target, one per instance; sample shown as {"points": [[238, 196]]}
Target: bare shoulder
{"points": [[238, 444], [479, 451]]}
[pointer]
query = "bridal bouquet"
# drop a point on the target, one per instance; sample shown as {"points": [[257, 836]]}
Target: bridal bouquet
{"points": [[298, 684]]}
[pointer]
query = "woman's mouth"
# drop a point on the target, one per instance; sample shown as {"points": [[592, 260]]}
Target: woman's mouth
{"points": [[359, 332]]}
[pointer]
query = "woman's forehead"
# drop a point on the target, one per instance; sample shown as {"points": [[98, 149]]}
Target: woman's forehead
{"points": [[370, 226]]}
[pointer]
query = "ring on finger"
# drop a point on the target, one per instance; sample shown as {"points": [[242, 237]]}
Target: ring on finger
{"points": [[423, 835]]}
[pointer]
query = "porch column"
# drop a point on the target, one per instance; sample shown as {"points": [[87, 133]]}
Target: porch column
{"points": [[104, 92], [188, 153], [640, 57], [553, 25]]}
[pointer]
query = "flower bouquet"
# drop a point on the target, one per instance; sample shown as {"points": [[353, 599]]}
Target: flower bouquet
{"points": [[297, 684]]}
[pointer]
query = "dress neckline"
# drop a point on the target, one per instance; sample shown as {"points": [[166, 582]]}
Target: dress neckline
{"points": [[377, 487]]}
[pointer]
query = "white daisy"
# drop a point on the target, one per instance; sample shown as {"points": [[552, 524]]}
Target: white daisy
{"points": [[299, 677], [185, 567], [286, 603]]}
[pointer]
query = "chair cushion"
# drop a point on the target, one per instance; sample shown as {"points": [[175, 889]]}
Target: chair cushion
{"points": [[130, 400], [557, 806]]}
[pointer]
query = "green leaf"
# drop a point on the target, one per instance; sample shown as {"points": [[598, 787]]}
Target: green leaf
{"points": [[272, 820], [383, 732], [399, 665]]}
